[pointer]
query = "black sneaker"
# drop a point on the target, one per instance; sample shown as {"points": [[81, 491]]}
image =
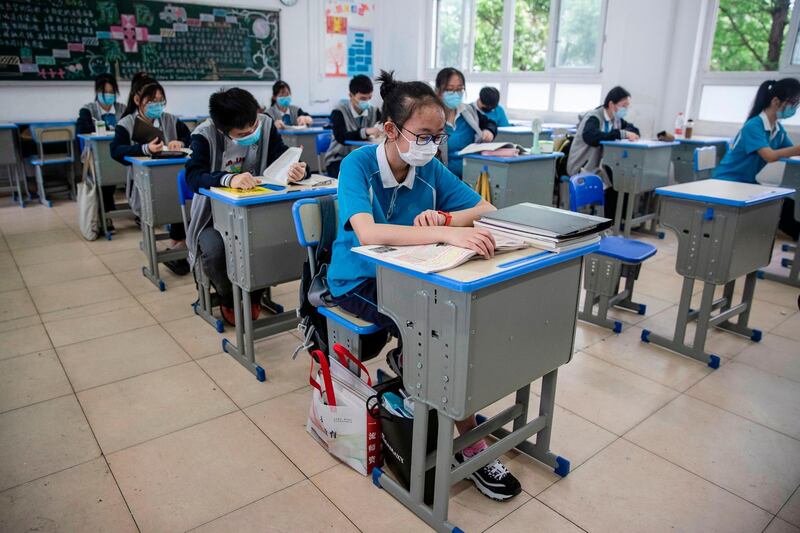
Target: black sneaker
{"points": [[494, 480], [394, 358], [179, 266]]}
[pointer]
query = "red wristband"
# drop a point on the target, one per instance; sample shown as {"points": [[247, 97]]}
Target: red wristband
{"points": [[447, 217]]}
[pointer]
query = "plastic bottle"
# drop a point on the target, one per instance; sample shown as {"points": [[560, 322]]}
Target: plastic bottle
{"points": [[689, 128], [679, 125]]}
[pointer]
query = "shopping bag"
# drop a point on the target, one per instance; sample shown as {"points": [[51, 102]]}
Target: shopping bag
{"points": [[338, 417], [88, 207]]}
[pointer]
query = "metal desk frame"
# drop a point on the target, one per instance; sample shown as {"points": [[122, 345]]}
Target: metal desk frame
{"points": [[525, 178], [683, 157], [106, 172], [11, 159], [791, 180]]}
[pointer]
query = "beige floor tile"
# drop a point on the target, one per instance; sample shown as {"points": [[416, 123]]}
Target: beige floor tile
{"points": [[16, 304], [534, 515], [779, 526], [657, 496], [52, 253], [767, 316], [752, 461], [3, 245], [776, 293], [68, 270], [348, 490], [197, 337], [31, 378], [654, 306], [609, 396], [83, 498], [33, 225], [76, 293], [665, 264], [41, 238], [124, 239], [775, 354], [301, 507], [472, 511], [24, 322], [283, 420], [43, 438], [90, 311], [115, 357], [123, 260], [23, 340], [628, 351], [292, 287], [137, 284], [10, 279], [172, 304], [6, 259], [587, 334], [79, 329], [193, 476], [754, 394], [791, 510], [144, 407], [660, 285], [790, 328]]}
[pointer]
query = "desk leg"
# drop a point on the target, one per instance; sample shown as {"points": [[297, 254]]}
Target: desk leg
{"points": [[444, 457], [618, 212], [151, 252], [742, 310], [629, 214], [244, 350], [793, 264]]}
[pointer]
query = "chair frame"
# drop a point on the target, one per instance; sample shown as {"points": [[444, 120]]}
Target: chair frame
{"points": [[39, 135]]}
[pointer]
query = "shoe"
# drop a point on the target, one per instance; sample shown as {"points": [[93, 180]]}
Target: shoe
{"points": [[137, 221], [494, 480], [255, 311], [228, 314], [110, 225], [394, 358], [180, 266]]}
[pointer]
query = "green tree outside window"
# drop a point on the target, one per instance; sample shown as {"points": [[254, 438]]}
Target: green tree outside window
{"points": [[750, 34]]}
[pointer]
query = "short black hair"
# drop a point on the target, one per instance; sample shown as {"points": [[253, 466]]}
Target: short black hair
{"points": [[490, 97], [101, 80], [402, 98], [232, 108], [277, 87], [444, 76], [361, 84], [615, 95]]}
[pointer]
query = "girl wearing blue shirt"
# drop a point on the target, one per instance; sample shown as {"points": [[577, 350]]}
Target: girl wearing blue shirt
{"points": [[397, 193], [464, 124], [763, 140]]}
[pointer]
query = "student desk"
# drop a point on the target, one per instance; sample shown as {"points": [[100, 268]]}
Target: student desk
{"points": [[520, 135], [157, 180], [791, 180], [725, 230], [305, 139], [262, 251], [106, 172], [12, 161], [638, 167], [683, 157], [524, 178], [193, 121], [460, 358]]}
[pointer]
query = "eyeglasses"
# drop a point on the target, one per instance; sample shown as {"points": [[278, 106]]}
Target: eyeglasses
{"points": [[425, 138]]}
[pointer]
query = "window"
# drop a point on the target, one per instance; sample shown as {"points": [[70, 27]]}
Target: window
{"points": [[726, 103], [531, 31], [487, 53], [534, 96], [578, 39], [450, 32], [574, 97]]}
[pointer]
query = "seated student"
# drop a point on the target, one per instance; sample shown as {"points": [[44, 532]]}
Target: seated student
{"points": [[488, 103], [228, 150], [763, 140], [149, 101], [603, 123], [351, 120], [106, 108], [464, 124], [397, 193], [282, 111]]}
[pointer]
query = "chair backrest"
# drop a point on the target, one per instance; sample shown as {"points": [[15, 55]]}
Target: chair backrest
{"points": [[323, 142], [308, 221], [185, 194], [585, 190], [705, 158], [52, 134]]}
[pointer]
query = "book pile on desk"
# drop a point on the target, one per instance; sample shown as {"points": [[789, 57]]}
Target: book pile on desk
{"points": [[545, 227]]}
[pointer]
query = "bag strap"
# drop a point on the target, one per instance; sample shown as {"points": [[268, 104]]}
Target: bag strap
{"points": [[327, 209], [345, 355], [325, 370]]}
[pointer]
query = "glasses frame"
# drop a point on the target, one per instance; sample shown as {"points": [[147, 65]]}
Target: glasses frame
{"points": [[435, 138]]}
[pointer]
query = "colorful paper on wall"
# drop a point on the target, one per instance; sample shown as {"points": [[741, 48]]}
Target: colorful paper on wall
{"points": [[348, 38]]}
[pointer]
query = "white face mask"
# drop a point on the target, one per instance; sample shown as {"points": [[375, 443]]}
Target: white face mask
{"points": [[417, 155]]}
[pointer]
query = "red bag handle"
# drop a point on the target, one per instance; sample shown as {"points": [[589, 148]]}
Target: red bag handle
{"points": [[345, 355], [322, 359]]}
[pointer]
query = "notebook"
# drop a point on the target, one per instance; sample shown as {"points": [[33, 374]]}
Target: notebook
{"points": [[545, 221], [143, 132]]}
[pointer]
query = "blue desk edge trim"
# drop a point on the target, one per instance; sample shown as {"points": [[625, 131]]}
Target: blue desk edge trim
{"points": [[775, 193], [157, 162], [95, 137], [309, 131], [627, 144], [715, 140], [515, 159], [790, 161], [270, 198], [529, 264], [9, 127]]}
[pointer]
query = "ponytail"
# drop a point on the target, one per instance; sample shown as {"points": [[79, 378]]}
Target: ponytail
{"points": [[402, 98], [785, 90]]}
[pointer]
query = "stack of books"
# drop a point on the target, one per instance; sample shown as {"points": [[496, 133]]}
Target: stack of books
{"points": [[544, 227]]}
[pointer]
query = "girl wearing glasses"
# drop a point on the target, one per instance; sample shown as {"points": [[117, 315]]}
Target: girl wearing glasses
{"points": [[397, 193], [464, 124]]}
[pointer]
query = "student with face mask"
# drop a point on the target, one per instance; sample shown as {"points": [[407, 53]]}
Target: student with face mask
{"points": [[488, 103], [603, 123], [229, 149], [282, 112], [464, 124], [397, 193], [352, 120], [149, 102]]}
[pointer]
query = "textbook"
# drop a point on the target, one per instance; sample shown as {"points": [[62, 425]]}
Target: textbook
{"points": [[316, 180], [143, 132], [543, 243], [239, 194], [278, 172], [428, 258], [288, 127], [476, 148], [544, 221]]}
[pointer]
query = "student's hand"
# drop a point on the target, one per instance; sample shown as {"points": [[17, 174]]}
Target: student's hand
{"points": [[372, 132], [297, 172], [245, 180], [279, 125], [305, 120], [174, 145], [631, 136], [155, 146], [475, 239], [430, 218], [487, 136]]}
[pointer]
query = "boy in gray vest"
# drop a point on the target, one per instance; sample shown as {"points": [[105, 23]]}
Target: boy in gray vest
{"points": [[229, 149], [352, 120]]}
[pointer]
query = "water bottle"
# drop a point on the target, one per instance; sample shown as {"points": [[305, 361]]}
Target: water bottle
{"points": [[679, 125], [536, 129]]}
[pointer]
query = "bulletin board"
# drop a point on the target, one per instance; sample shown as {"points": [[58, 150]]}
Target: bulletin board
{"points": [[349, 26], [65, 40]]}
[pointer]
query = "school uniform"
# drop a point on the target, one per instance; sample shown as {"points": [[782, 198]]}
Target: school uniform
{"points": [[742, 161], [87, 115], [367, 185], [289, 116], [466, 128], [347, 124], [215, 160], [498, 116]]}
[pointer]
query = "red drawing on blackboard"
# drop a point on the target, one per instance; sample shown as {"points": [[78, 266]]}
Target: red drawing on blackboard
{"points": [[130, 34]]}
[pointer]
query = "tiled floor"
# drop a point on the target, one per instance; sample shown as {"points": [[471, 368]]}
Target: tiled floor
{"points": [[119, 413]]}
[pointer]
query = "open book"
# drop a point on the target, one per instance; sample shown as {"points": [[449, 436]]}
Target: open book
{"points": [[477, 148], [427, 258], [293, 127], [278, 172], [239, 194]]}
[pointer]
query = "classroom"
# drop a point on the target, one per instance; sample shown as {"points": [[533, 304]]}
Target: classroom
{"points": [[400, 266]]}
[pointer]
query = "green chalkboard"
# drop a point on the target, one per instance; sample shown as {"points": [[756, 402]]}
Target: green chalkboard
{"points": [[64, 40]]}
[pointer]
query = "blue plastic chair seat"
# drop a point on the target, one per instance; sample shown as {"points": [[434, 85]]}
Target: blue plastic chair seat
{"points": [[351, 322], [626, 250], [35, 161]]}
